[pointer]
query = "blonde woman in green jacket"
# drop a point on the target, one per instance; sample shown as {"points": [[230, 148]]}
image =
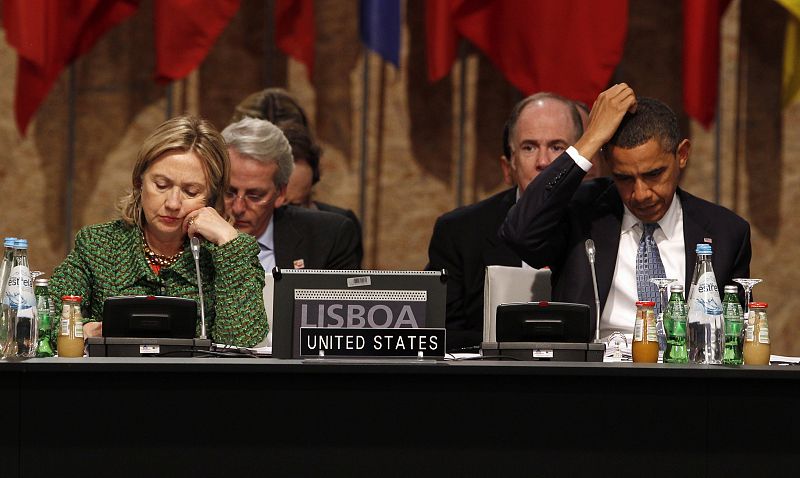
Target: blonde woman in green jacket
{"points": [[179, 180]]}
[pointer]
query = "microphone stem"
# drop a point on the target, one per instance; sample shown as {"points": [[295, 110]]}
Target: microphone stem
{"points": [[195, 246], [596, 304]]}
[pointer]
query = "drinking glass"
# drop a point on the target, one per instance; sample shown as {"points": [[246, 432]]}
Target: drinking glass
{"points": [[663, 298], [748, 285]]}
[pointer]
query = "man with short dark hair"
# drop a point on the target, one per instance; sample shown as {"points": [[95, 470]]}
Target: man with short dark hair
{"points": [[465, 240], [637, 218]]}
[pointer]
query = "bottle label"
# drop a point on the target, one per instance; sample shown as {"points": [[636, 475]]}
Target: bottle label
{"points": [[749, 333], [763, 332], [19, 289], [638, 331], [65, 327], [651, 328], [706, 296], [78, 330]]}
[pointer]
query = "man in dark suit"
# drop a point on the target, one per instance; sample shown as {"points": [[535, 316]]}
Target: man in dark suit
{"points": [[306, 174], [640, 203], [465, 240], [288, 236]]}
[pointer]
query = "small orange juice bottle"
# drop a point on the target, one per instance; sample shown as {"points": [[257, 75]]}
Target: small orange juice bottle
{"points": [[645, 338]]}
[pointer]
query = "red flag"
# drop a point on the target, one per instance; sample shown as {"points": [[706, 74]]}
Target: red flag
{"points": [[569, 47], [48, 35], [701, 28], [185, 31], [441, 37], [295, 32]]}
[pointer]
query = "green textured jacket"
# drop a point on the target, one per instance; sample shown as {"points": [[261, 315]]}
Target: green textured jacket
{"points": [[108, 260]]}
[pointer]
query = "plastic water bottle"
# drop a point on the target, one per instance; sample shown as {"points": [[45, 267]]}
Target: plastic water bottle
{"points": [[20, 303], [706, 328], [5, 270]]}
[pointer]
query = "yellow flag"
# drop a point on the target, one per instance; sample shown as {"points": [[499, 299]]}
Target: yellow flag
{"points": [[791, 53]]}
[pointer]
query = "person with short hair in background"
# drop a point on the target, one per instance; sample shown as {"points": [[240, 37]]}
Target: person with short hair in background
{"points": [[465, 240], [277, 106], [288, 236]]}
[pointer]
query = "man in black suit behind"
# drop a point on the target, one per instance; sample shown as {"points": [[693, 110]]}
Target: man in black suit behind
{"points": [[288, 236], [646, 155], [465, 240]]}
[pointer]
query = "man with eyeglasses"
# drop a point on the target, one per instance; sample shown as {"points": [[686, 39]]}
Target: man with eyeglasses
{"points": [[465, 240], [288, 236]]}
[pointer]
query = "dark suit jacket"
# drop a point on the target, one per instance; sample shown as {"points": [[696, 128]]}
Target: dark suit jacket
{"points": [[464, 242], [556, 214], [322, 240], [349, 214]]}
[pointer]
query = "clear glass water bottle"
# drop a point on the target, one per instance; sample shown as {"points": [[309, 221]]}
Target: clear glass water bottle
{"points": [[6, 326], [21, 305], [706, 328], [8, 259]]}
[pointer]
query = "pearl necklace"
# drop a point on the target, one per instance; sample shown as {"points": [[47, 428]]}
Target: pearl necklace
{"points": [[154, 258]]}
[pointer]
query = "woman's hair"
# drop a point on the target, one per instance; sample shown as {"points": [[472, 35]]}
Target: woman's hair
{"points": [[182, 134]]}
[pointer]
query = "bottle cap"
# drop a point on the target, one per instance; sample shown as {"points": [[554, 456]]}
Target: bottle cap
{"points": [[645, 303], [9, 241], [731, 289], [21, 243], [42, 282], [703, 249], [676, 287], [71, 298], [757, 305]]}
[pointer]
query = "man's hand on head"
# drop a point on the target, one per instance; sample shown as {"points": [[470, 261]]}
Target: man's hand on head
{"points": [[607, 113]]}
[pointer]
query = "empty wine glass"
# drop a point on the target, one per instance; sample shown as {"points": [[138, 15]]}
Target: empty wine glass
{"points": [[748, 285], [662, 284]]}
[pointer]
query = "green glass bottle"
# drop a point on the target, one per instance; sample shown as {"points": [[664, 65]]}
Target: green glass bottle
{"points": [[44, 310], [734, 327], [675, 327]]}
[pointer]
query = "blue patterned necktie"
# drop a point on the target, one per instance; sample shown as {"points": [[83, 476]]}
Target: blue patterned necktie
{"points": [[648, 266]]}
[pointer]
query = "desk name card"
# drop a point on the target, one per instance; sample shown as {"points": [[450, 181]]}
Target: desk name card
{"points": [[362, 342]]}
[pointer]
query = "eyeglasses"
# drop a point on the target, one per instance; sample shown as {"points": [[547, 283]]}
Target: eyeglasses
{"points": [[251, 199]]}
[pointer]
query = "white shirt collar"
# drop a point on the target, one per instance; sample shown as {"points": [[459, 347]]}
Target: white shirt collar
{"points": [[267, 238], [668, 224]]}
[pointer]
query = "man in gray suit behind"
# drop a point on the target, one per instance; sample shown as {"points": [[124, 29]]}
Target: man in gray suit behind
{"points": [[288, 236]]}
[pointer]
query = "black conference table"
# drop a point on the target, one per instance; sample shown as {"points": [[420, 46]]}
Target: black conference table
{"points": [[270, 417]]}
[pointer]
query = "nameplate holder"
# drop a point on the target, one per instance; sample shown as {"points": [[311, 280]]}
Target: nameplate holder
{"points": [[364, 342]]}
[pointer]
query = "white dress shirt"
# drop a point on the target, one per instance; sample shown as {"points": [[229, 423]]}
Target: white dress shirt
{"points": [[619, 312], [266, 246]]}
